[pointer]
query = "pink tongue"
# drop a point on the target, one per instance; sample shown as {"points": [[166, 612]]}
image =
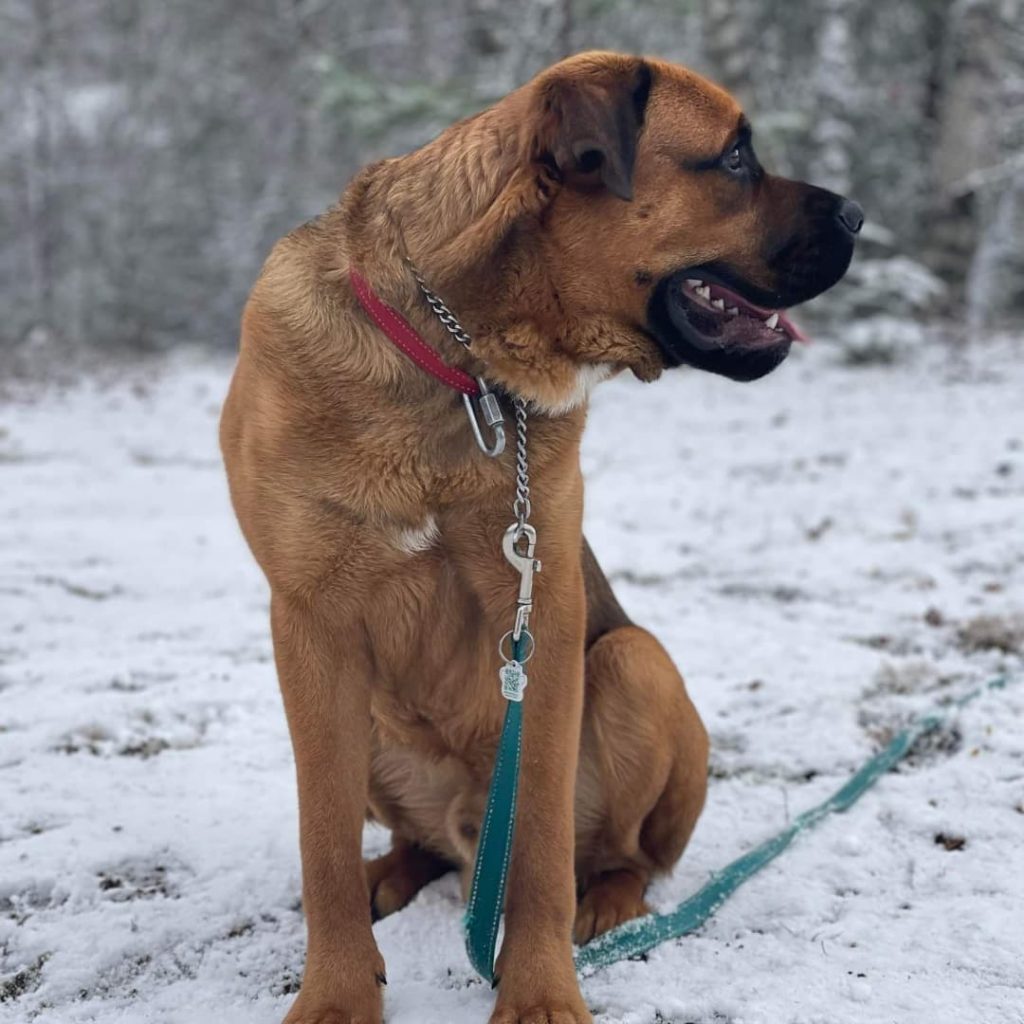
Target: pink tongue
{"points": [[732, 299], [794, 332]]}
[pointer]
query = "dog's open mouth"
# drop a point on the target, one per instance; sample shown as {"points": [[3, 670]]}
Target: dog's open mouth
{"points": [[721, 317], [701, 322]]}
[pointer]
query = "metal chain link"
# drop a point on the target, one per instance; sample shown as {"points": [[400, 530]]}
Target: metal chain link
{"points": [[521, 506], [444, 314]]}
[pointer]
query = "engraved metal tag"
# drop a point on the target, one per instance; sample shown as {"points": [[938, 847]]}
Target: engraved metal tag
{"points": [[513, 680]]}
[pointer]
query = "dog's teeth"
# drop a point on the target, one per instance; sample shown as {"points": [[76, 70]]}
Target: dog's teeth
{"points": [[694, 282], [718, 304], [773, 321], [733, 311], [704, 292]]}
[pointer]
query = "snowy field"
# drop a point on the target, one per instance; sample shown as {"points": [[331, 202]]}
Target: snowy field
{"points": [[826, 553]]}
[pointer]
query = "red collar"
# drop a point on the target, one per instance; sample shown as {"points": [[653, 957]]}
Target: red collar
{"points": [[402, 333]]}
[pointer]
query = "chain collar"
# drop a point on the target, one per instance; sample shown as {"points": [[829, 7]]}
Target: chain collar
{"points": [[487, 400], [521, 506], [444, 314]]}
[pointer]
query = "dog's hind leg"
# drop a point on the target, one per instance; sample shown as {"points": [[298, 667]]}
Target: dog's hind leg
{"points": [[394, 878], [642, 777]]}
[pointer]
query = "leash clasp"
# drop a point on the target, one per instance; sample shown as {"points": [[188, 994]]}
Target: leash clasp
{"points": [[491, 412], [526, 565]]}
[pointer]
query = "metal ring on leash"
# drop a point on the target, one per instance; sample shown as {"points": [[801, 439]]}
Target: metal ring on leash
{"points": [[528, 636]]}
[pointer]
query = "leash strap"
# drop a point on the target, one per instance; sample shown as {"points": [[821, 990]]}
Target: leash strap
{"points": [[490, 872], [487, 895], [636, 937]]}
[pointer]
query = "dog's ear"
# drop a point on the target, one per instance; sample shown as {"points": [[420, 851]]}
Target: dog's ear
{"points": [[589, 124]]}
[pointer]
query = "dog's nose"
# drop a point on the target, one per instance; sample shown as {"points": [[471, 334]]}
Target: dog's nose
{"points": [[851, 215]]}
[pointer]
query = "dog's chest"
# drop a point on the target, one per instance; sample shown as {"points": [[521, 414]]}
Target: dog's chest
{"points": [[434, 740], [443, 717], [435, 688]]}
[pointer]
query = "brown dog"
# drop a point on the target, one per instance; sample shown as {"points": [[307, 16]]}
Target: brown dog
{"points": [[610, 214]]}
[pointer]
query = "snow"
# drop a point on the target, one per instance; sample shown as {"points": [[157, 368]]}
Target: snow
{"points": [[826, 553]]}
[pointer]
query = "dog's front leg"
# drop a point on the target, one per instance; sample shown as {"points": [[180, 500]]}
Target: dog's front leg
{"points": [[325, 681], [536, 978]]}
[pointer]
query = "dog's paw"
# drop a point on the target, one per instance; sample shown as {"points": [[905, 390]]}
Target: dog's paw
{"points": [[391, 887], [542, 1015], [332, 1016], [341, 995], [539, 990], [611, 900], [394, 879]]}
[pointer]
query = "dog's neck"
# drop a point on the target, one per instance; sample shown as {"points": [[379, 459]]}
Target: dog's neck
{"points": [[462, 210], [448, 205], [468, 210], [457, 199]]}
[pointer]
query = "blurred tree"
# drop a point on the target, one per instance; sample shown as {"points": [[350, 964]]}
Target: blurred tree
{"points": [[978, 205], [839, 97]]}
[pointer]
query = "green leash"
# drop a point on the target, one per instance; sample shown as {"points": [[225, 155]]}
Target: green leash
{"points": [[636, 937], [487, 895]]}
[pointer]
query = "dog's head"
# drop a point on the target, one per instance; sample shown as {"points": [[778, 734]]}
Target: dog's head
{"points": [[610, 214], [663, 221]]}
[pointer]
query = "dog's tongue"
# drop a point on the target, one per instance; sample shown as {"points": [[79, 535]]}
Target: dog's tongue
{"points": [[794, 332]]}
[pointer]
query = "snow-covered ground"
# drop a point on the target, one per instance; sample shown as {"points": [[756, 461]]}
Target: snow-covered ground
{"points": [[825, 553]]}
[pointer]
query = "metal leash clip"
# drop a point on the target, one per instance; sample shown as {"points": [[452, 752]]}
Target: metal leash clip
{"points": [[512, 674], [526, 565], [491, 412]]}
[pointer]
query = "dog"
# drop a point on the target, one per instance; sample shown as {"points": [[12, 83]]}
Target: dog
{"points": [[610, 215]]}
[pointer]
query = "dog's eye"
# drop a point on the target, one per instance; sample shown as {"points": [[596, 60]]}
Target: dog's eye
{"points": [[734, 159]]}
